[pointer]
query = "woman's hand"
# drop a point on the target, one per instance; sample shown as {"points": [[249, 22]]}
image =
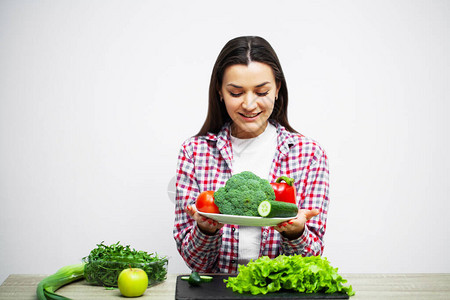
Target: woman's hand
{"points": [[207, 226], [294, 228]]}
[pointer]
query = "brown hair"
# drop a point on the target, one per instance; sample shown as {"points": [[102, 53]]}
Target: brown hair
{"points": [[243, 50]]}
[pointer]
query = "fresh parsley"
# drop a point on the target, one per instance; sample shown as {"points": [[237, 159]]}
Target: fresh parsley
{"points": [[104, 264]]}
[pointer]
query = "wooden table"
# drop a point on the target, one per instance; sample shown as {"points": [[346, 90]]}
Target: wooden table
{"points": [[366, 286]]}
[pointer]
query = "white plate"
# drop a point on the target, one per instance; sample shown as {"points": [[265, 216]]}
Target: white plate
{"points": [[244, 220]]}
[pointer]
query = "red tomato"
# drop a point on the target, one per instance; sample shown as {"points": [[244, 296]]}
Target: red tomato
{"points": [[205, 203]]}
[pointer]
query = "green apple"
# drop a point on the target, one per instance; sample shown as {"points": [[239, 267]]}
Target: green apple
{"points": [[132, 282]]}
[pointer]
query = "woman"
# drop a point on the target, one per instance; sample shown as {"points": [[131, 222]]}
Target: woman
{"points": [[247, 129]]}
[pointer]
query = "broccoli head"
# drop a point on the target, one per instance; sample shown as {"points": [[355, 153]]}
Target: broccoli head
{"points": [[242, 194]]}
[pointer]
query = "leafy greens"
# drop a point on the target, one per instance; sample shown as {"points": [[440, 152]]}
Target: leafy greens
{"points": [[302, 274], [104, 264]]}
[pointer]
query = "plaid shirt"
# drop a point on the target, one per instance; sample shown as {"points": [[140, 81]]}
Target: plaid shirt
{"points": [[204, 163]]}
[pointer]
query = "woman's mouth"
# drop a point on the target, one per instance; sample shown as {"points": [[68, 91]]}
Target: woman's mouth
{"points": [[250, 116]]}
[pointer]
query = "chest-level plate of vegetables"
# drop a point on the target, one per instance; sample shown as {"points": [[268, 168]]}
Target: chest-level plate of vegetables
{"points": [[239, 199], [244, 220], [104, 264]]}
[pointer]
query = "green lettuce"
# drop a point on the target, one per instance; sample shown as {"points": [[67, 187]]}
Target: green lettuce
{"points": [[302, 274]]}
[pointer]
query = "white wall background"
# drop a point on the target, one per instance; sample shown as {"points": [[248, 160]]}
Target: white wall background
{"points": [[97, 96]]}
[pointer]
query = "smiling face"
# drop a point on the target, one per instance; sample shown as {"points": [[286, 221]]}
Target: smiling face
{"points": [[249, 92]]}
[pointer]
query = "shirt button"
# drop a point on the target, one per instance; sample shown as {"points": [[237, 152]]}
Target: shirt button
{"points": [[233, 229], [233, 261]]}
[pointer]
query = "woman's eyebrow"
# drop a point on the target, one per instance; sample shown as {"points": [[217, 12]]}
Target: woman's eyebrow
{"points": [[239, 87], [263, 84], [234, 85]]}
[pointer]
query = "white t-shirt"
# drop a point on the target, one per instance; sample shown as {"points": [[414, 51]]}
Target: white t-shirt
{"points": [[254, 155]]}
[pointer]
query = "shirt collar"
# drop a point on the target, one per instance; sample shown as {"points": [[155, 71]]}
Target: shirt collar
{"points": [[285, 138]]}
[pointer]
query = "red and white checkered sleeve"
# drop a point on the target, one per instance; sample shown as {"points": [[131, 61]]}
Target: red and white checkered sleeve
{"points": [[198, 250], [313, 196]]}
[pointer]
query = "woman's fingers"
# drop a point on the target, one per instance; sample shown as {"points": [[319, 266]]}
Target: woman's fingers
{"points": [[310, 213], [298, 222], [206, 224], [190, 210]]}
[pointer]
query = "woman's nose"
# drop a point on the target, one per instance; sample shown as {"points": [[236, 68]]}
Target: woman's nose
{"points": [[249, 101]]}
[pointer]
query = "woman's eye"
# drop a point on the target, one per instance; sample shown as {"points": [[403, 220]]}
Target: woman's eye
{"points": [[262, 94], [235, 94]]}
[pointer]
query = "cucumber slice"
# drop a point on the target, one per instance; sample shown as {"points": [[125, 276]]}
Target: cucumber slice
{"points": [[203, 278], [264, 208]]}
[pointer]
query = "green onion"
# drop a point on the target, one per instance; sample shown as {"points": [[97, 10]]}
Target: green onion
{"points": [[47, 287]]}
